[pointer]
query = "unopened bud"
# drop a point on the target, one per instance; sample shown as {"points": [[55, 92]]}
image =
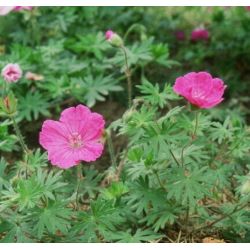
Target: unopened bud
{"points": [[8, 105], [113, 38]]}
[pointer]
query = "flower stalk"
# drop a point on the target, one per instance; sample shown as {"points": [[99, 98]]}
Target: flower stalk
{"points": [[19, 135], [128, 76]]}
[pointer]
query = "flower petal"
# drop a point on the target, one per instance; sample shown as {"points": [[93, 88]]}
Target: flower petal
{"points": [[53, 134], [89, 152], [75, 118], [62, 157]]}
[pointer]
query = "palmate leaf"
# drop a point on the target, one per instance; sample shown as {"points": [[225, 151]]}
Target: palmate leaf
{"points": [[52, 218], [128, 237], [240, 146], [139, 53], [91, 43], [91, 89], [27, 193], [17, 232], [32, 105], [161, 54], [102, 218], [161, 216], [188, 186], [56, 87], [153, 94], [220, 132], [90, 184], [136, 122], [142, 197], [115, 191]]}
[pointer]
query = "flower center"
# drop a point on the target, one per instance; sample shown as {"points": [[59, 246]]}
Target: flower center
{"points": [[75, 140]]}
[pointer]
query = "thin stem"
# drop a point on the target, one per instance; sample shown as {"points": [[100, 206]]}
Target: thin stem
{"points": [[128, 76], [192, 137], [79, 177], [111, 149], [196, 124], [237, 209], [19, 135], [172, 154], [132, 27], [159, 180], [187, 220], [170, 150]]}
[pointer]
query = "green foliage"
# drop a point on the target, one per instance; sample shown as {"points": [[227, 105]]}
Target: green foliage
{"points": [[137, 237], [153, 94], [177, 173], [32, 105], [52, 218], [7, 141], [90, 89]]}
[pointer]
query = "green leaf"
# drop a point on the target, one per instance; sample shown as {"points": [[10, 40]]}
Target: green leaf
{"points": [[153, 94], [188, 186], [3, 177], [143, 197], [32, 105], [92, 89], [137, 237], [52, 218], [115, 191]]}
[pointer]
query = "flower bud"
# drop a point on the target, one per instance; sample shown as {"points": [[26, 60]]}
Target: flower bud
{"points": [[8, 105], [11, 73], [113, 38], [199, 34]]}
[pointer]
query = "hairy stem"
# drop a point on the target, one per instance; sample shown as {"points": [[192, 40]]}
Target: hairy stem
{"points": [[128, 76], [79, 177], [19, 135], [196, 124], [111, 149]]}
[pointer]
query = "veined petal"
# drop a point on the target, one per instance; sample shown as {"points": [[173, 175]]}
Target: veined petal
{"points": [[53, 134]]}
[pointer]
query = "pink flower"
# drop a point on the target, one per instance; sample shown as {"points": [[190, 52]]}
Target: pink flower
{"points": [[4, 10], [109, 34], [200, 89], [75, 137], [180, 35], [199, 34], [11, 72], [247, 8], [18, 8]]}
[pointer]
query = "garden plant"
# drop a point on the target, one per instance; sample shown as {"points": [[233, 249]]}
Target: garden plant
{"points": [[124, 124]]}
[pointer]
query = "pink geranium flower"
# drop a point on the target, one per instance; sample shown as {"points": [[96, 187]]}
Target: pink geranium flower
{"points": [[247, 8], [200, 89], [18, 8], [11, 72], [199, 34], [75, 137], [4, 10], [180, 35]]}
